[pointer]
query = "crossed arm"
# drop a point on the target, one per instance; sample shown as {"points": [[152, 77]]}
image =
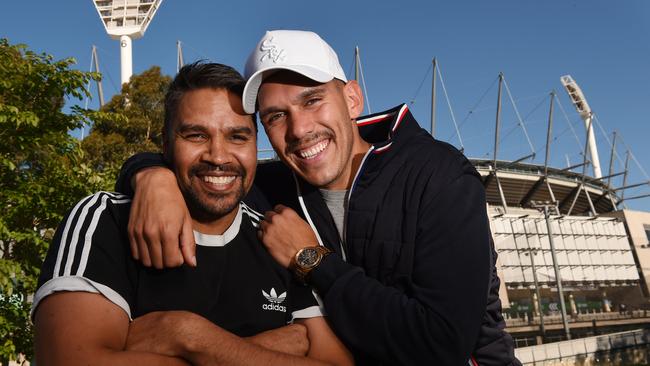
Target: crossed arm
{"points": [[440, 322], [80, 328], [75, 328]]}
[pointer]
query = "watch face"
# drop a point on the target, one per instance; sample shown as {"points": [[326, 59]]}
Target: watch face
{"points": [[308, 257]]}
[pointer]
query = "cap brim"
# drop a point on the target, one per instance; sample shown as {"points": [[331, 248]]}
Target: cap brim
{"points": [[253, 84]]}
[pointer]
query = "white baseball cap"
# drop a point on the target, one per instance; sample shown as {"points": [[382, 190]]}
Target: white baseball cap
{"points": [[303, 52]]}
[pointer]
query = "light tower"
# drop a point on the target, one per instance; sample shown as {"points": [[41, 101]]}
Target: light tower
{"points": [[126, 20], [580, 103]]}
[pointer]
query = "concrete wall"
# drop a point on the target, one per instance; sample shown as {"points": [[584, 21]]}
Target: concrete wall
{"points": [[626, 348]]}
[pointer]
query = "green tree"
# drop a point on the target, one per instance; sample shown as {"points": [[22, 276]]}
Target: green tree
{"points": [[42, 174], [140, 111]]}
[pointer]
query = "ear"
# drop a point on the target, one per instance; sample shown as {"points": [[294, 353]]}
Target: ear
{"points": [[354, 98]]}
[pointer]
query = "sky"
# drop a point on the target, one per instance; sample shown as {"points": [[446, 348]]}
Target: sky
{"points": [[603, 45]]}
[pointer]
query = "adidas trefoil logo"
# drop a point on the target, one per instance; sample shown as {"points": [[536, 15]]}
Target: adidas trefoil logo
{"points": [[275, 300]]}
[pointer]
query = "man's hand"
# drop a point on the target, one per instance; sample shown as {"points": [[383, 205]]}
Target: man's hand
{"points": [[197, 340], [165, 332], [160, 226], [291, 339], [284, 233]]}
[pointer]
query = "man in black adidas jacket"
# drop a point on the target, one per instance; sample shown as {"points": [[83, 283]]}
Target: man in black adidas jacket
{"points": [[411, 278]]}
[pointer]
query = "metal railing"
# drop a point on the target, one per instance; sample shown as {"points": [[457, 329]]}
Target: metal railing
{"points": [[631, 347]]}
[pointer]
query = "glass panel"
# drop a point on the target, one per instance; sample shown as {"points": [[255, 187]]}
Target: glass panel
{"points": [[578, 274], [600, 273], [528, 274], [595, 257], [569, 243], [566, 274], [531, 227], [585, 258], [574, 258], [577, 227]]}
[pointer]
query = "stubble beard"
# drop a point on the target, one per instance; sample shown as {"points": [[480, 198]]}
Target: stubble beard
{"points": [[209, 206], [214, 206], [314, 177]]}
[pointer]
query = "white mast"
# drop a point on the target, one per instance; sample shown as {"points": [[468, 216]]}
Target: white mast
{"points": [[580, 103], [126, 20]]}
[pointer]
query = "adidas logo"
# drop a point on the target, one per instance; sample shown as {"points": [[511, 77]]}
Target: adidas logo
{"points": [[275, 300]]}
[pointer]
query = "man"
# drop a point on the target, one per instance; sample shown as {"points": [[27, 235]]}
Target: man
{"points": [[90, 287], [391, 229]]}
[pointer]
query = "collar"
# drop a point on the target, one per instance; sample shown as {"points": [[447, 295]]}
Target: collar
{"points": [[381, 128], [207, 240]]}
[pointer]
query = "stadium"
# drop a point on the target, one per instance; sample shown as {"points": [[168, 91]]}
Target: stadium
{"points": [[572, 264]]}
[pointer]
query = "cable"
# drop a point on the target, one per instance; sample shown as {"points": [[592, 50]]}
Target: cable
{"points": [[521, 121], [451, 110], [469, 113], [526, 117], [201, 54], [417, 92], [566, 117], [634, 158], [595, 119], [117, 91], [363, 81]]}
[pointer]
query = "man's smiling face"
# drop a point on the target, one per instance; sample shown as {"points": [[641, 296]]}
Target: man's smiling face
{"points": [[213, 151], [311, 127]]}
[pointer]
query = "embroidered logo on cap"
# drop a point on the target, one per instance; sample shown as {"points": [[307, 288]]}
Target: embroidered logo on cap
{"points": [[271, 51]]}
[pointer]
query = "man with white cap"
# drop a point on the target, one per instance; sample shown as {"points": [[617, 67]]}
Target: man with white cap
{"points": [[386, 224]]}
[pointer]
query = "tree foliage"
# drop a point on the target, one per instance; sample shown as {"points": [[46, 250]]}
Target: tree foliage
{"points": [[140, 108], [42, 172]]}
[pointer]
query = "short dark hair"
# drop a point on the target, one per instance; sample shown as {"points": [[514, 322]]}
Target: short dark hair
{"points": [[198, 75]]}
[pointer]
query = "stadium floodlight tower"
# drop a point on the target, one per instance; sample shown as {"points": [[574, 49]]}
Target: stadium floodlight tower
{"points": [[580, 103], [126, 20]]}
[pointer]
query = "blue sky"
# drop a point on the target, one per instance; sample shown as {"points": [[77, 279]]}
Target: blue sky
{"points": [[604, 45]]}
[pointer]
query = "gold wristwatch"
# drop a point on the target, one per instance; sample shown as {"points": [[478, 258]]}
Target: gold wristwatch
{"points": [[306, 260]]}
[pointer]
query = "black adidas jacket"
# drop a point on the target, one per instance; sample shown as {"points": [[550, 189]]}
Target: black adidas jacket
{"points": [[408, 286]]}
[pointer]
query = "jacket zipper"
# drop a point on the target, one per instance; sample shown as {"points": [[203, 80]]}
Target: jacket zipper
{"points": [[347, 204], [308, 217]]}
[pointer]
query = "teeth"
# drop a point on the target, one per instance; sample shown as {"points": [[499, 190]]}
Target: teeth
{"points": [[219, 180], [314, 150]]}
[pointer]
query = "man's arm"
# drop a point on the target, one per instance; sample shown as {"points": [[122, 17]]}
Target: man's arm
{"points": [[85, 328], [291, 339], [133, 165], [160, 226], [324, 345], [196, 339], [81, 328], [436, 319]]}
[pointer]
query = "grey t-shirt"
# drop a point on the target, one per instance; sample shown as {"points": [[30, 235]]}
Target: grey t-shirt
{"points": [[336, 202]]}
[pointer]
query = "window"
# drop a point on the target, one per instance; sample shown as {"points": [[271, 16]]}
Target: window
{"points": [[647, 232]]}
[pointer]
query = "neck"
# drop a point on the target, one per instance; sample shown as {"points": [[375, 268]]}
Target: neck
{"points": [[212, 225], [359, 150]]}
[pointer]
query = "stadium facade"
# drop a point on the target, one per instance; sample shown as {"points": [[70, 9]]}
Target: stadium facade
{"points": [[602, 254]]}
